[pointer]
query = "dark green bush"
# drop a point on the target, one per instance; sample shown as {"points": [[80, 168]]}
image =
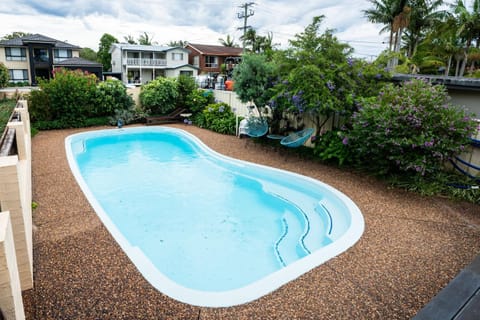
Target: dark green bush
{"points": [[72, 99], [217, 117], [185, 87], [111, 95], [67, 99], [199, 99], [159, 96]]}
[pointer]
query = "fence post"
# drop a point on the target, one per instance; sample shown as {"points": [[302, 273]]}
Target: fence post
{"points": [[11, 303]]}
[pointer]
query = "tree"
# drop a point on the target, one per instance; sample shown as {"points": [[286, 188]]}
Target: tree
{"points": [[424, 15], [178, 43], [15, 34], [145, 39], [129, 39], [394, 14], [228, 42], [103, 53], [253, 79], [468, 27], [88, 54], [4, 76]]}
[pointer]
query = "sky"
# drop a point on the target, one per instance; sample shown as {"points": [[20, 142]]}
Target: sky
{"points": [[83, 22]]}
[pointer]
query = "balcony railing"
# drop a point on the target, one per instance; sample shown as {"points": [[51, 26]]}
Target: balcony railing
{"points": [[146, 62]]}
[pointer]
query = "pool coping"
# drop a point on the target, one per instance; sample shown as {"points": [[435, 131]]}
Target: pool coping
{"points": [[227, 298]]}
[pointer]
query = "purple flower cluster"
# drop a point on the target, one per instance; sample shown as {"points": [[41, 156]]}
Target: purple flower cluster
{"points": [[429, 144], [330, 85]]}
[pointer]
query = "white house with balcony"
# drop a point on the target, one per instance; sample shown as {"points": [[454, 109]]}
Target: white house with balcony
{"points": [[140, 64]]}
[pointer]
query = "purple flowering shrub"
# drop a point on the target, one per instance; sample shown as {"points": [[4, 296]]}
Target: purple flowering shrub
{"points": [[410, 129]]}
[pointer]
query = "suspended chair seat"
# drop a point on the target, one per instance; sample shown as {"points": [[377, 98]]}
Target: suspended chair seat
{"points": [[256, 127], [297, 139]]}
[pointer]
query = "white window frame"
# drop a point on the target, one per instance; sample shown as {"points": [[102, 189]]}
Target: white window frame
{"points": [[20, 56], [16, 77], [62, 54], [211, 61], [177, 56]]}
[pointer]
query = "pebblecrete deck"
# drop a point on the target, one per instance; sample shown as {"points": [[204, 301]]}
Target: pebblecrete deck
{"points": [[412, 247]]}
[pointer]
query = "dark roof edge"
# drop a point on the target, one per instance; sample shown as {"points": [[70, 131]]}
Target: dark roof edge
{"points": [[459, 83]]}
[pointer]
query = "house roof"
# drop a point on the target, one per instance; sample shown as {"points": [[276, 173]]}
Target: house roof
{"points": [[213, 50], [37, 38], [139, 47], [183, 66], [77, 62]]}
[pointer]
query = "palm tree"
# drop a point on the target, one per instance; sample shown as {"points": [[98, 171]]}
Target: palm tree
{"points": [[394, 14], [424, 15], [249, 39], [178, 43], [145, 39], [129, 39], [468, 27], [384, 12], [228, 42]]}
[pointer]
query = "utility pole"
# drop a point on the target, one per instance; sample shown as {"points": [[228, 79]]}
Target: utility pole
{"points": [[245, 15]]}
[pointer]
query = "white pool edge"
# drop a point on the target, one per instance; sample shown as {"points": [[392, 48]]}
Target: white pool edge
{"points": [[225, 298]]}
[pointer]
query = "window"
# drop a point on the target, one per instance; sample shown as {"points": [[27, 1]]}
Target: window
{"points": [[40, 54], [16, 54], [18, 75], [211, 61], [186, 73], [196, 61], [62, 54], [177, 56]]}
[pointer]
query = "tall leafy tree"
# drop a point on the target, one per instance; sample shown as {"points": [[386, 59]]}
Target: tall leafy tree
{"points": [[88, 54], [103, 54], [15, 34], [252, 79]]}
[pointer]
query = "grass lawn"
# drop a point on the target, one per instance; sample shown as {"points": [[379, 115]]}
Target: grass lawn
{"points": [[6, 108]]}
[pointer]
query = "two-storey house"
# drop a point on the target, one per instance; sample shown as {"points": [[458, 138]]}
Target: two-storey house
{"points": [[30, 57], [210, 58], [142, 63]]}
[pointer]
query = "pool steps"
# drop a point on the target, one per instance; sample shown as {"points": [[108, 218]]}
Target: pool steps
{"points": [[302, 236]]}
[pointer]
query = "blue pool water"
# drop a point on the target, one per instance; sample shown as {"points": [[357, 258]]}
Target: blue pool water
{"points": [[203, 228]]}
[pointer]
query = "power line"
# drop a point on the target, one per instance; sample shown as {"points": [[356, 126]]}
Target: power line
{"points": [[245, 15]]}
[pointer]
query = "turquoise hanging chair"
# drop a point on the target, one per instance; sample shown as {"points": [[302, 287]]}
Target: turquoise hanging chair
{"points": [[256, 127], [297, 139]]}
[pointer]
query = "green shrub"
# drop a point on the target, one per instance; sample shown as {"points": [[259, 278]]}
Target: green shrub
{"points": [[199, 99], [67, 99], [4, 76], [185, 87], [332, 145], [409, 129], [217, 117], [111, 95], [159, 96]]}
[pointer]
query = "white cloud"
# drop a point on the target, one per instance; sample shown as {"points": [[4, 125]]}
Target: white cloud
{"points": [[83, 22]]}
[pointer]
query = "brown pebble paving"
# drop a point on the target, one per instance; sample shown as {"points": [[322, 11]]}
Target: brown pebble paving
{"points": [[411, 248]]}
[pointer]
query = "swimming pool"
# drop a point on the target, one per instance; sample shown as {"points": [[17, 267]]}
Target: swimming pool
{"points": [[203, 228]]}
